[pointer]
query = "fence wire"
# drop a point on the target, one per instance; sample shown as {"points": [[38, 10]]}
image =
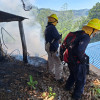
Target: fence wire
{"points": [[93, 51]]}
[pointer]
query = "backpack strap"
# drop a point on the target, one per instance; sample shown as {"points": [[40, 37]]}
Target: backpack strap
{"points": [[76, 37]]}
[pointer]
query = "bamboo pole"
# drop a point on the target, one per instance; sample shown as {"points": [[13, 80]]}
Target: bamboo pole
{"points": [[23, 41]]}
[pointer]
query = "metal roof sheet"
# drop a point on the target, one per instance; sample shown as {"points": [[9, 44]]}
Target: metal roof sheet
{"points": [[7, 17], [93, 51]]}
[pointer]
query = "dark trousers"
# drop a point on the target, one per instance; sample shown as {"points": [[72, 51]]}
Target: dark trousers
{"points": [[77, 76]]}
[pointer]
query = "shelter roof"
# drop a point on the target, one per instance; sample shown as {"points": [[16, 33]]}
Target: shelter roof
{"points": [[7, 17]]}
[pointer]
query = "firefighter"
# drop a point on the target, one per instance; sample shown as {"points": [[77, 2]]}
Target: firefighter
{"points": [[76, 59], [52, 40]]}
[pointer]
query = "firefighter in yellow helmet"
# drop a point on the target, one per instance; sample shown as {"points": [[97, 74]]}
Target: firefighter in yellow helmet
{"points": [[52, 40], [53, 19], [76, 57], [92, 27]]}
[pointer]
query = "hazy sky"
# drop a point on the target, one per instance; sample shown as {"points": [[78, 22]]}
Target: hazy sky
{"points": [[72, 4]]}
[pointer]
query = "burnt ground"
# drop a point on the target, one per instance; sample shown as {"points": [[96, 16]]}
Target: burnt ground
{"points": [[14, 76]]}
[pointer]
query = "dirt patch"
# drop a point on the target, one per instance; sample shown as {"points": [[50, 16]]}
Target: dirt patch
{"points": [[95, 69], [14, 76]]}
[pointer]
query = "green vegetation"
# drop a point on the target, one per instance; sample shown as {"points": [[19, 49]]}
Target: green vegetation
{"points": [[32, 83], [51, 92], [96, 92], [69, 20], [95, 11]]}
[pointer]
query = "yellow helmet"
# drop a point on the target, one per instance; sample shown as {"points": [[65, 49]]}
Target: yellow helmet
{"points": [[94, 23], [54, 16]]}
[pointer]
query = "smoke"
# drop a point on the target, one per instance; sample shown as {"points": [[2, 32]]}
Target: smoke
{"points": [[34, 39]]}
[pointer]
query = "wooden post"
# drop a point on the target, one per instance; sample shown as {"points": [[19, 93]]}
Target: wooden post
{"points": [[23, 41]]}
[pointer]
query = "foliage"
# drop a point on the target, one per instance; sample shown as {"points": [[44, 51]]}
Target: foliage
{"points": [[69, 20], [49, 95], [66, 20], [96, 92], [81, 12], [31, 82], [51, 92], [95, 11], [42, 17]]}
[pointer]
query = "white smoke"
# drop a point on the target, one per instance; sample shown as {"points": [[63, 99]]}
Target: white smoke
{"points": [[34, 40]]}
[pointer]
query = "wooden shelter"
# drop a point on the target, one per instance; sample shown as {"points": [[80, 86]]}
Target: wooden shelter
{"points": [[7, 17]]}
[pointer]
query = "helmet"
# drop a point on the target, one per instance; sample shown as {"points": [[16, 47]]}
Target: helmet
{"points": [[94, 23], [54, 16]]}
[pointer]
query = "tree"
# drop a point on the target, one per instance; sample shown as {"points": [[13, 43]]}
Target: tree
{"points": [[42, 17], [95, 11], [67, 21]]}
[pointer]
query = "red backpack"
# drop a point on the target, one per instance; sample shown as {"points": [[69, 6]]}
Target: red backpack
{"points": [[69, 42]]}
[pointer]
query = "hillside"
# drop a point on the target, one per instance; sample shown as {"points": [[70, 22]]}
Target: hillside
{"points": [[77, 13], [81, 12], [14, 76]]}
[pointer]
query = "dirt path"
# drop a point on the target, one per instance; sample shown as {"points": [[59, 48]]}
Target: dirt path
{"points": [[95, 69]]}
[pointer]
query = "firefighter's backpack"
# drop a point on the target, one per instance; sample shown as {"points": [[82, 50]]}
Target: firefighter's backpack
{"points": [[69, 43]]}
